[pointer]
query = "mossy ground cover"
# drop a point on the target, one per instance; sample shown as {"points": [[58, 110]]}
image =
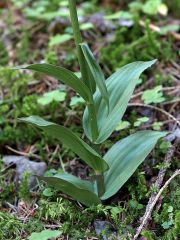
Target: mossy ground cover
{"points": [[26, 37]]}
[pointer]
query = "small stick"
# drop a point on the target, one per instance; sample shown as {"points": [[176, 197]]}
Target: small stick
{"points": [[163, 123], [170, 102], [6, 168], [54, 153], [162, 171], [148, 212], [155, 108], [163, 89], [53, 226], [23, 153], [158, 183]]}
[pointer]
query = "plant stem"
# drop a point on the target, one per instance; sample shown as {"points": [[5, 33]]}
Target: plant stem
{"points": [[78, 40], [77, 36], [100, 184], [99, 176]]}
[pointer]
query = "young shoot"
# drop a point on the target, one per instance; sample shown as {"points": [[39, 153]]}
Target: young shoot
{"points": [[106, 102]]}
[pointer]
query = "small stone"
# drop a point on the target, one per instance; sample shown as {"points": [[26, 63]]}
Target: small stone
{"points": [[176, 134], [106, 229], [24, 165]]}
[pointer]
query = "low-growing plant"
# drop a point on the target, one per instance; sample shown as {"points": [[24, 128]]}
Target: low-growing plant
{"points": [[106, 102], [45, 235], [10, 227]]}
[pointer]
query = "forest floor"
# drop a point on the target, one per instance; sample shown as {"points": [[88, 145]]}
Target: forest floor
{"points": [[147, 207]]}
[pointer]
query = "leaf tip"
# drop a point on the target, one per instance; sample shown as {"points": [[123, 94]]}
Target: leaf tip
{"points": [[20, 67], [153, 61]]}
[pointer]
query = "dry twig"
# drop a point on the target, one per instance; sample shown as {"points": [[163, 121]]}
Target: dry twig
{"points": [[165, 89], [154, 197], [155, 108], [148, 211], [24, 153]]}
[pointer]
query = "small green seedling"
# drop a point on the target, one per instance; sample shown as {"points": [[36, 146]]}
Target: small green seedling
{"points": [[45, 235], [55, 95], [106, 102], [153, 95]]}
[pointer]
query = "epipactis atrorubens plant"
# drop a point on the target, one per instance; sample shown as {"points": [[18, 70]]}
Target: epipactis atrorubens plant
{"points": [[106, 102]]}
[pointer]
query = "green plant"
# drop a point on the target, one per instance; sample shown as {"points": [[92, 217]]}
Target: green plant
{"points": [[153, 96], [4, 54], [106, 102], [24, 187], [59, 39], [45, 235], [152, 7], [55, 95], [7, 188], [148, 235], [140, 121], [58, 209], [136, 44], [10, 227]]}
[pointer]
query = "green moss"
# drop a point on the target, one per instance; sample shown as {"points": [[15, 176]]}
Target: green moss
{"points": [[134, 44], [24, 187], [23, 48], [10, 227], [18, 103], [4, 57], [7, 187], [148, 235]]}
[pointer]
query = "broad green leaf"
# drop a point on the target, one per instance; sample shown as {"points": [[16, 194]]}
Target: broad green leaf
{"points": [[63, 75], [71, 140], [125, 156], [95, 71], [45, 235], [89, 81], [81, 190], [120, 87]]}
